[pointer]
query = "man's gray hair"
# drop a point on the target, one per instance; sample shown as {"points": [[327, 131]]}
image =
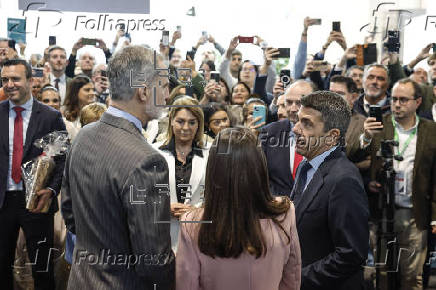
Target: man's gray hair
{"points": [[133, 58], [370, 66], [334, 110], [306, 82]]}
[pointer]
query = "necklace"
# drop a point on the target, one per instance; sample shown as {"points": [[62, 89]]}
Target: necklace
{"points": [[182, 152]]}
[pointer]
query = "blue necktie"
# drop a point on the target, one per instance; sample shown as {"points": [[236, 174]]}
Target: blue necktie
{"points": [[301, 181]]}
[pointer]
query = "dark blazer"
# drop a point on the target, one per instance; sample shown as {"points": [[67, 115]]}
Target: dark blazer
{"points": [[43, 121], [275, 139], [113, 195], [359, 105], [332, 224], [424, 169]]}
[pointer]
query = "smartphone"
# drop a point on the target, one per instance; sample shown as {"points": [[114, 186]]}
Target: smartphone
{"points": [[204, 34], [317, 21], [376, 112], [166, 37], [434, 47], [336, 26], [51, 40], [246, 39], [103, 73], [283, 53], [285, 77], [259, 111], [393, 44], [214, 75], [89, 41], [366, 54], [37, 72], [320, 65], [179, 28]]}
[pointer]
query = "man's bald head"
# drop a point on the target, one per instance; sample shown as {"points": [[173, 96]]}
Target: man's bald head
{"points": [[293, 96]]}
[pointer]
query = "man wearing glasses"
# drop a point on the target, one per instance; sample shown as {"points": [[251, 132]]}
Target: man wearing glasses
{"points": [[415, 185]]}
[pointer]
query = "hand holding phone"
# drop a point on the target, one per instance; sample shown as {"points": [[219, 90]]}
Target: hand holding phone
{"points": [[165, 37], [259, 111], [37, 72], [283, 53], [214, 75], [376, 112], [336, 26], [285, 77], [246, 39], [89, 41]]}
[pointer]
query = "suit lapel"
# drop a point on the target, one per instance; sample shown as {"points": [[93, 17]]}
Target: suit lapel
{"points": [[287, 139], [309, 194], [420, 142], [197, 173], [315, 184], [33, 125], [4, 120]]}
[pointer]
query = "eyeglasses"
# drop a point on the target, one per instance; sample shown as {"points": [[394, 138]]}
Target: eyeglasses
{"points": [[403, 100], [217, 122], [249, 69]]}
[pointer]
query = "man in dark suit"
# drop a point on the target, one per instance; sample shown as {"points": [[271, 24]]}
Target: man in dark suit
{"points": [[24, 120], [115, 188], [415, 190], [330, 202], [278, 143]]}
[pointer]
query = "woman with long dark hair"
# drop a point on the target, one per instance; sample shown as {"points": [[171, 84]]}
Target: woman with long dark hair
{"points": [[80, 93], [243, 238], [216, 119]]}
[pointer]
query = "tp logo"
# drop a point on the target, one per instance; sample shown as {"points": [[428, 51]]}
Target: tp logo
{"points": [[376, 29], [42, 8]]}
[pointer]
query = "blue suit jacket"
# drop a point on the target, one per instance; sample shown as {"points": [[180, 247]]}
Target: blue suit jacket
{"points": [[332, 223], [276, 139]]}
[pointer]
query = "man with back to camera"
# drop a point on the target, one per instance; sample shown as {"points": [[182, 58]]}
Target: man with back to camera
{"points": [[331, 206], [278, 142], [112, 197], [25, 120]]}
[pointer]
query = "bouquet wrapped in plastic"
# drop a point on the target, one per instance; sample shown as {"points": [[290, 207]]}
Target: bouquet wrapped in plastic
{"points": [[36, 173]]}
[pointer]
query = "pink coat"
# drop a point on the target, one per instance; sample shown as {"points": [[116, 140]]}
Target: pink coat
{"points": [[280, 269]]}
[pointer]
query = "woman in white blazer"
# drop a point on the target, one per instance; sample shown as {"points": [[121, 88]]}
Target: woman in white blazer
{"points": [[186, 155]]}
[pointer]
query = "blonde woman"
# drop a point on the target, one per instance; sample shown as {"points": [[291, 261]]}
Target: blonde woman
{"points": [[186, 155]]}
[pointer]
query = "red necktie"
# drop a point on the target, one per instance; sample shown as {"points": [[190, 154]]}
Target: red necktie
{"points": [[17, 155], [297, 160]]}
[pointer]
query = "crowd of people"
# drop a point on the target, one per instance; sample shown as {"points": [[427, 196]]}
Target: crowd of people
{"points": [[219, 175]]}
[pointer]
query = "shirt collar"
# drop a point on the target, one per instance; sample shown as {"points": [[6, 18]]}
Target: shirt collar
{"points": [[61, 78], [123, 114], [380, 103], [318, 160], [400, 128], [171, 147], [26, 106]]}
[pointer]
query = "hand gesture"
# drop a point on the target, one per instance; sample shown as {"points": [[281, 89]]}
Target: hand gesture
{"points": [[371, 127]]}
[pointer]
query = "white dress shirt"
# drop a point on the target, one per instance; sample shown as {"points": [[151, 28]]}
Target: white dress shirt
{"points": [[62, 85], [11, 185]]}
